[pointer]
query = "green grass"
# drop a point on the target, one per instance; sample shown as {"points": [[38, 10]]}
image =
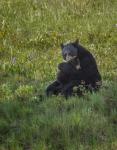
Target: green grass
{"points": [[31, 32], [54, 123]]}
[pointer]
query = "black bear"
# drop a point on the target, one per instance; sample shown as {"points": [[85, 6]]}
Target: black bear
{"points": [[69, 76]]}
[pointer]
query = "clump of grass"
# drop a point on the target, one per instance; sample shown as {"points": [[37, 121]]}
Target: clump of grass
{"points": [[5, 92], [24, 92]]}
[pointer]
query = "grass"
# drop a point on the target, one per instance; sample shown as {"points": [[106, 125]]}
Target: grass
{"points": [[52, 124], [30, 36]]}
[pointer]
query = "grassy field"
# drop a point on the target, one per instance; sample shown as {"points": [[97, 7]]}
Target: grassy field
{"points": [[31, 32]]}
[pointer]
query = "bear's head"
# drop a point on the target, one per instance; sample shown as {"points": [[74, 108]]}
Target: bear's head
{"points": [[70, 50]]}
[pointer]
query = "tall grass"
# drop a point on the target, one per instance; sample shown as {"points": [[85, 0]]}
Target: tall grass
{"points": [[54, 123]]}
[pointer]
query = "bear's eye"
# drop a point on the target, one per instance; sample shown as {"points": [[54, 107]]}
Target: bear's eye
{"points": [[65, 54], [69, 54]]}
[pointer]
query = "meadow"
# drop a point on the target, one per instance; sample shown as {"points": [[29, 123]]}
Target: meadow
{"points": [[31, 32]]}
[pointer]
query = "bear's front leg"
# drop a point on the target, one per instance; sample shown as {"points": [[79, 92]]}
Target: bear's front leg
{"points": [[54, 88], [67, 91]]}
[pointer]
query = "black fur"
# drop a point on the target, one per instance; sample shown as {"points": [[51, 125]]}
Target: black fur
{"points": [[69, 76], [67, 71]]}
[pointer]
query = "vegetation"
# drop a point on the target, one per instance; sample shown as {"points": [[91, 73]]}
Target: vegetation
{"points": [[30, 35]]}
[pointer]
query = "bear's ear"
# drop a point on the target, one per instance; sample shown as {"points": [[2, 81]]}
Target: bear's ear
{"points": [[62, 45], [76, 43]]}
